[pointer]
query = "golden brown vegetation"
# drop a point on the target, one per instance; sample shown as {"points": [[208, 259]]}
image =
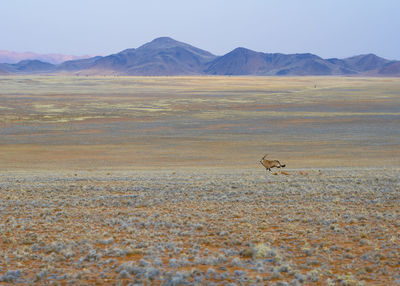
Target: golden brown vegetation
{"points": [[157, 181], [125, 122]]}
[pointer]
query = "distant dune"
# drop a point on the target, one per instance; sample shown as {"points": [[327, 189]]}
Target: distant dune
{"points": [[166, 57], [10, 57]]}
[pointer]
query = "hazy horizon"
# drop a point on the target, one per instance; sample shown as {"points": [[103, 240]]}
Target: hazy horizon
{"points": [[330, 29]]}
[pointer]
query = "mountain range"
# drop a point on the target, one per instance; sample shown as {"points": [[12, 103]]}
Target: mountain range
{"points": [[165, 56]]}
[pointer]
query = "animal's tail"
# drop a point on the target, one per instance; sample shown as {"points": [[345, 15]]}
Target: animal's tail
{"points": [[283, 165]]}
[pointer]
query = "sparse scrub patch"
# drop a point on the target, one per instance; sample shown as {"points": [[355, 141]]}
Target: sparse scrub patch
{"points": [[194, 228]]}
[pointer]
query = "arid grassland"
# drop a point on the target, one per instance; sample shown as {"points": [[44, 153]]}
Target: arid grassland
{"points": [[157, 181], [133, 122], [205, 227]]}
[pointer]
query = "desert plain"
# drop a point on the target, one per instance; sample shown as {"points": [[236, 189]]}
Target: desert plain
{"points": [[157, 180]]}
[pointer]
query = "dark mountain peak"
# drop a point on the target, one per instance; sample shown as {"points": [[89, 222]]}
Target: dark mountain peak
{"points": [[164, 40], [367, 57], [32, 64], [166, 43], [162, 43], [243, 51], [240, 61], [162, 56], [370, 56], [365, 62]]}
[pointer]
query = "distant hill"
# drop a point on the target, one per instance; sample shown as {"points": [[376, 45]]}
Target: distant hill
{"points": [[368, 64], [363, 63], [28, 66], [242, 61], [76, 65], [10, 57], [390, 69], [165, 56], [162, 56], [3, 72]]}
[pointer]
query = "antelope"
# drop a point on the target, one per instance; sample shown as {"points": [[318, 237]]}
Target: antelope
{"points": [[268, 164]]}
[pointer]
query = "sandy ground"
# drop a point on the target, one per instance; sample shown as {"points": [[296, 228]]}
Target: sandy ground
{"points": [[132, 123], [201, 227], [157, 181]]}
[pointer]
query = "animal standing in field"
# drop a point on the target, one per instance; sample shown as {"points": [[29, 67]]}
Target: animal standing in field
{"points": [[268, 164]]}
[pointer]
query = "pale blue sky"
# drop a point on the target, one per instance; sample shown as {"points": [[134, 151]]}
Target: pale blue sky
{"points": [[328, 28]]}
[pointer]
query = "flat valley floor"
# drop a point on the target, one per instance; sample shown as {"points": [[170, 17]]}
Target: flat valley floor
{"points": [[157, 181], [174, 122]]}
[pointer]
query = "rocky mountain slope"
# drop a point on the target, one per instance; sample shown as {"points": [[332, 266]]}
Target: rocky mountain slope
{"points": [[165, 56]]}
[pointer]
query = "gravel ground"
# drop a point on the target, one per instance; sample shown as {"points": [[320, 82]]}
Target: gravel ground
{"points": [[201, 227]]}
